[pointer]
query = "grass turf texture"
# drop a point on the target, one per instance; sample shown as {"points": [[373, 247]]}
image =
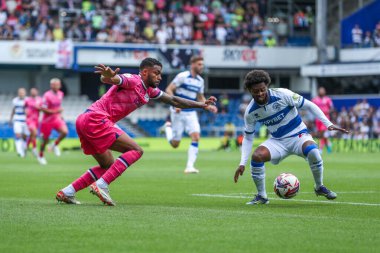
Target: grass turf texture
{"points": [[157, 210]]}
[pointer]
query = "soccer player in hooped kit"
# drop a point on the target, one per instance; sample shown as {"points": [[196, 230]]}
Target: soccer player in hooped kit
{"points": [[18, 119], [188, 84], [277, 109], [98, 134], [32, 108], [52, 119], [326, 105]]}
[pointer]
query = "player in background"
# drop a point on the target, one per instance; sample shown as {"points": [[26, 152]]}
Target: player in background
{"points": [[277, 109], [189, 85], [32, 109], [18, 119], [52, 119], [326, 105], [99, 135]]}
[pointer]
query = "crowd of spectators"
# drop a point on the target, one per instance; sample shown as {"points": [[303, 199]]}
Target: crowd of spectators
{"points": [[363, 121], [365, 39], [216, 22]]}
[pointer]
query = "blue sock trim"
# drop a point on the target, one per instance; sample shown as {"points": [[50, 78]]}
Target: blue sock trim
{"points": [[194, 144], [255, 164], [308, 149]]}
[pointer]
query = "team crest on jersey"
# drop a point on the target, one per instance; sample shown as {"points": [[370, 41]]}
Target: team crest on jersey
{"points": [[276, 106]]}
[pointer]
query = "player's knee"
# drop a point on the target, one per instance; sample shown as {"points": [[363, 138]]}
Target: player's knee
{"points": [[106, 164], [174, 144], [259, 157], [140, 151]]}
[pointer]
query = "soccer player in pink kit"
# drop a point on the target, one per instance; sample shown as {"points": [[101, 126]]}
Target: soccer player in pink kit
{"points": [[52, 119], [98, 134], [326, 105], [32, 108]]}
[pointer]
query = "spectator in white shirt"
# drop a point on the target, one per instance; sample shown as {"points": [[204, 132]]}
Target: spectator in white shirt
{"points": [[357, 34]]}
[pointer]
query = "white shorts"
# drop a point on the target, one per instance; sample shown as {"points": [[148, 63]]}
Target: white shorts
{"points": [[184, 121], [20, 128], [281, 148]]}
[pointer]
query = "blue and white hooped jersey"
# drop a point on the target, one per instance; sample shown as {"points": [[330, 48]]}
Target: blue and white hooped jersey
{"points": [[19, 105], [188, 86], [279, 115]]}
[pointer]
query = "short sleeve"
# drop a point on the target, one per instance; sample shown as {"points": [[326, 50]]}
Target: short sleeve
{"points": [[154, 93], [292, 98], [126, 80], [178, 80]]}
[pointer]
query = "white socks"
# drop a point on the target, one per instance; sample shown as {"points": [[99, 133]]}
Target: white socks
{"points": [[192, 154], [101, 183], [69, 190], [258, 176], [316, 165], [169, 133], [20, 146]]}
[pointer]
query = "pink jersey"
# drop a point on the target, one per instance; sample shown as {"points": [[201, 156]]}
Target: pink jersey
{"points": [[121, 100], [324, 103], [52, 101], [32, 106]]}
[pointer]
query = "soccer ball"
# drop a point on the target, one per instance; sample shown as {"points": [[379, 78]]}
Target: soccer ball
{"points": [[286, 185]]}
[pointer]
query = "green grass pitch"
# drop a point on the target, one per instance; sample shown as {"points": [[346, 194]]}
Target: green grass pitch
{"points": [[160, 209]]}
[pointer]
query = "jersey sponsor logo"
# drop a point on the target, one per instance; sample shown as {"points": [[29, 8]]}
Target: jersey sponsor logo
{"points": [[275, 119]]}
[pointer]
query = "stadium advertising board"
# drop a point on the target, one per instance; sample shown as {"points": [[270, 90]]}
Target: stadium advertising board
{"points": [[246, 57], [111, 55], [22, 52]]}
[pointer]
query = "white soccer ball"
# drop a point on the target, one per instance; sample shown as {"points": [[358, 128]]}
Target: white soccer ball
{"points": [[286, 185]]}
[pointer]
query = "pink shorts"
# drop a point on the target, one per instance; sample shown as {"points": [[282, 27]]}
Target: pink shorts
{"points": [[96, 132], [320, 126], [47, 127], [32, 124]]}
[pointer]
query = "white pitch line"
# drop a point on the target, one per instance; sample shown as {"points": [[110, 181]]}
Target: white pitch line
{"points": [[295, 200], [302, 192]]}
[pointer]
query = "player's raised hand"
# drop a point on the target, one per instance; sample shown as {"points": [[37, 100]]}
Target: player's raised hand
{"points": [[239, 172], [106, 71], [336, 128]]}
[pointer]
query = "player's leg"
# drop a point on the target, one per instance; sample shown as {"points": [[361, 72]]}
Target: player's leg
{"points": [[33, 140], [311, 152], [67, 194], [192, 153], [61, 128], [131, 152], [17, 129], [46, 129], [193, 128], [174, 129], [258, 159]]}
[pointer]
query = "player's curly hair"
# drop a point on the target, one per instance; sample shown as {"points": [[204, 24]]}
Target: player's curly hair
{"points": [[149, 62], [255, 77]]}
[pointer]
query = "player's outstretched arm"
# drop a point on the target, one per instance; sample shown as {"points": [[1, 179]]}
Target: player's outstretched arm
{"points": [[186, 103], [107, 75], [314, 109], [246, 149]]}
